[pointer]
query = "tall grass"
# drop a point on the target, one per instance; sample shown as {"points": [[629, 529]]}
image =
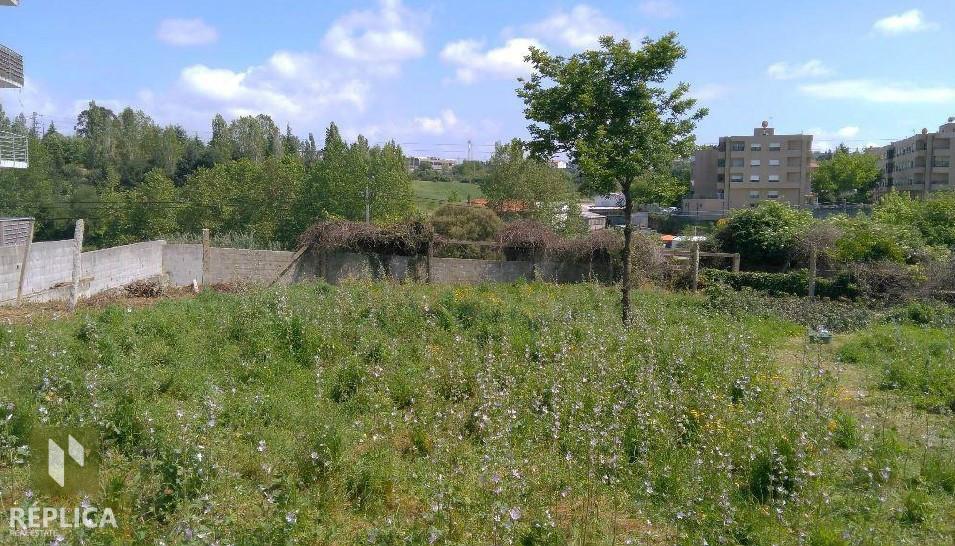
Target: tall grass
{"points": [[387, 414]]}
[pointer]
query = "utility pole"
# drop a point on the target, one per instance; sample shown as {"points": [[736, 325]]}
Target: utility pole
{"points": [[469, 165]]}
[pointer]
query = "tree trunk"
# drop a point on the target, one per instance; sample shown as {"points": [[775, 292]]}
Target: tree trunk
{"points": [[627, 239]]}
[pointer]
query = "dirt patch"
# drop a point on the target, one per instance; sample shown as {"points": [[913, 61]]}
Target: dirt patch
{"points": [[28, 313]]}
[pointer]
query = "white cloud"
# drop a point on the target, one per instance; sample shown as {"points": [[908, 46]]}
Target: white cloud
{"points": [[579, 28], [880, 92], [912, 20], [289, 85], [709, 91], [387, 35], [473, 61], [812, 68], [823, 140], [661, 9], [436, 125], [186, 32]]}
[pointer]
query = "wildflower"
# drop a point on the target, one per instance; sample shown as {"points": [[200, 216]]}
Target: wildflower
{"points": [[291, 518], [261, 447], [515, 513]]}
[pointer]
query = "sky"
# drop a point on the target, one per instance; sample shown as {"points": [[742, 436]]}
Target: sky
{"points": [[433, 75]]}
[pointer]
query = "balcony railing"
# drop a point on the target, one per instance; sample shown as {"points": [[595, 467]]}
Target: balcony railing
{"points": [[14, 151], [11, 68]]}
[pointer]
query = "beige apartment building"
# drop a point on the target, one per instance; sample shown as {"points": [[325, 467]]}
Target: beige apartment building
{"points": [[741, 171], [920, 164]]}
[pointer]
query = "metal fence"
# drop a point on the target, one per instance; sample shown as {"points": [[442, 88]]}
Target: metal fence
{"points": [[14, 150], [11, 68]]}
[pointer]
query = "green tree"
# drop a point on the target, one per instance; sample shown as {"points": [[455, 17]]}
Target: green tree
{"points": [[96, 127], [765, 235], [546, 192], [609, 111], [846, 173], [662, 189], [151, 208]]}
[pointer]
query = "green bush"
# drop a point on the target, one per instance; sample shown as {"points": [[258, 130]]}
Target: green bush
{"points": [[766, 234], [466, 223], [794, 283], [866, 239]]}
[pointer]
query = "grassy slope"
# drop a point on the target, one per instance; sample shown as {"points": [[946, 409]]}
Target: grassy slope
{"points": [[468, 415], [431, 195]]}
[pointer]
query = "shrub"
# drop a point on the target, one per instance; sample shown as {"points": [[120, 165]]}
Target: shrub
{"points": [[466, 223], [864, 239], [887, 279], [403, 239], [764, 235], [521, 239], [934, 218], [795, 283]]}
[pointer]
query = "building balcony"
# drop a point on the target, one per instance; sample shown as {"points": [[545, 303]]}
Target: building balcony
{"points": [[14, 151], [11, 68]]}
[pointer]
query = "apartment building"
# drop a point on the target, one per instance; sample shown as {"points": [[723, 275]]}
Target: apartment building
{"points": [[741, 171], [920, 164]]}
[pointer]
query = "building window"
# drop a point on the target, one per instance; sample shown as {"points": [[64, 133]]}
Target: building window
{"points": [[720, 178], [773, 162], [720, 162], [754, 178], [737, 162], [775, 146], [756, 146], [795, 145], [941, 162], [772, 195], [738, 146], [736, 178], [774, 178], [754, 195], [754, 163]]}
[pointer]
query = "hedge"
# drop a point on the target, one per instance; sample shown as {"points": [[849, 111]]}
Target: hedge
{"points": [[794, 283]]}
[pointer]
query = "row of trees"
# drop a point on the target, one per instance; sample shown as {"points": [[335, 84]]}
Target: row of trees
{"points": [[133, 179]]}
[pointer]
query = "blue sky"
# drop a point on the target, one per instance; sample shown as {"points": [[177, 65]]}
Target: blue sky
{"points": [[434, 74]]}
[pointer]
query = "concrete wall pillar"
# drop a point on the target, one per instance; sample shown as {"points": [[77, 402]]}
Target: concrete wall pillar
{"points": [[77, 264], [206, 257]]}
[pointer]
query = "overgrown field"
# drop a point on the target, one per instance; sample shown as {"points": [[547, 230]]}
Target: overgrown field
{"points": [[389, 414], [428, 195]]}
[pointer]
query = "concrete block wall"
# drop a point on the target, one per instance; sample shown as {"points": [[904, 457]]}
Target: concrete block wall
{"points": [[50, 264], [10, 265], [182, 263], [255, 266], [456, 270], [339, 266], [118, 266]]}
